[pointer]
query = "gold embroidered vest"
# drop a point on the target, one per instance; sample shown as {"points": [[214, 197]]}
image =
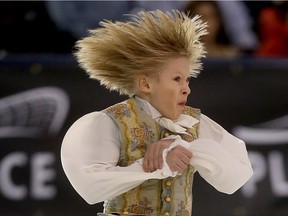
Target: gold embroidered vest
{"points": [[170, 196]]}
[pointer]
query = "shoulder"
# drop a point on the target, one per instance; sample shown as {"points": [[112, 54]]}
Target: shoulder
{"points": [[91, 122], [93, 117], [121, 109]]}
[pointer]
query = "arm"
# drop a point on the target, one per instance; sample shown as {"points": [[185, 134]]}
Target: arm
{"points": [[89, 154], [220, 158]]}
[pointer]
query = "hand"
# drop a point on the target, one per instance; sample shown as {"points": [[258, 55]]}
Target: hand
{"points": [[153, 157], [178, 159]]}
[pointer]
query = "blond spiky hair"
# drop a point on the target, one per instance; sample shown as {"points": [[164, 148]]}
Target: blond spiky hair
{"points": [[116, 53]]}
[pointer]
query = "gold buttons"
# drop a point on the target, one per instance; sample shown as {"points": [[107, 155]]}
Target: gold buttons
{"points": [[168, 199], [166, 134], [167, 214], [168, 183]]}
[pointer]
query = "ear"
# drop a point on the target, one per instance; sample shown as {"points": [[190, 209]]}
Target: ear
{"points": [[143, 83]]}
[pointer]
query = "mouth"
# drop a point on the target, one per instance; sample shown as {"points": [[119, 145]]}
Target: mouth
{"points": [[183, 103]]}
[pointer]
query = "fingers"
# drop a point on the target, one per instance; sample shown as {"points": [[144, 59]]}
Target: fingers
{"points": [[178, 165], [178, 159], [145, 163], [153, 157], [150, 159], [179, 168], [156, 156]]}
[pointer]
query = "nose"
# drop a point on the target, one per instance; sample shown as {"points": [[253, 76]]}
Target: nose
{"points": [[186, 89]]}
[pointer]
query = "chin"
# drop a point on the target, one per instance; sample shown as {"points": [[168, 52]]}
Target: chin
{"points": [[175, 117]]}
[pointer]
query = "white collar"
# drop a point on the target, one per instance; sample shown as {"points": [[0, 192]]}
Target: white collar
{"points": [[148, 108]]}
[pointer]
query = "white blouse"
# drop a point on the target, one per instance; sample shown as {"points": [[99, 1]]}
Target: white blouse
{"points": [[91, 148]]}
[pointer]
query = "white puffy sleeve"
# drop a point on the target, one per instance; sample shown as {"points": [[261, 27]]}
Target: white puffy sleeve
{"points": [[220, 158], [89, 154]]}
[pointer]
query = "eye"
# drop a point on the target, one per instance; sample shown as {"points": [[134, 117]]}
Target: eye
{"points": [[188, 79], [177, 79]]}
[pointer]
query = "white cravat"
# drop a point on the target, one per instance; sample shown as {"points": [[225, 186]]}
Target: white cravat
{"points": [[176, 126], [179, 125]]}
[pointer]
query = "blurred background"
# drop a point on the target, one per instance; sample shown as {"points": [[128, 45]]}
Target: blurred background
{"points": [[243, 86]]}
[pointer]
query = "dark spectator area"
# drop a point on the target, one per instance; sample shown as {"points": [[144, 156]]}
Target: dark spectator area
{"points": [[236, 28]]}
